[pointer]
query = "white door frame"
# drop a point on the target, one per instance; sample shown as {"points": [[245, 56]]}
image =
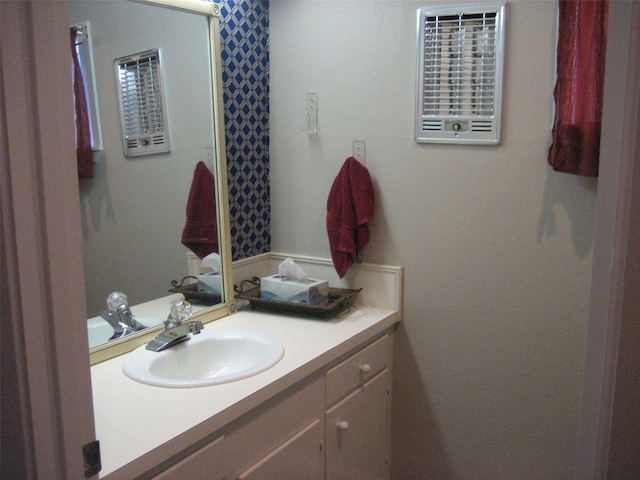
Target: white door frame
{"points": [[46, 387], [609, 434]]}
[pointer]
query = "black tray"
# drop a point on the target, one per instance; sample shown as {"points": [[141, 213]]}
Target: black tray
{"points": [[192, 293], [340, 299]]}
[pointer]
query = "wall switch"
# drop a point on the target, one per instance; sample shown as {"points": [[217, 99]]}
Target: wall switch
{"points": [[359, 151]]}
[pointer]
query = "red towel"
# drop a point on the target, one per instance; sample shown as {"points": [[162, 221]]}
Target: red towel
{"points": [[200, 232], [350, 208]]}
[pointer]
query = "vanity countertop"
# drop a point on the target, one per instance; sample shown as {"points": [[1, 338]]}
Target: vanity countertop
{"points": [[138, 425]]}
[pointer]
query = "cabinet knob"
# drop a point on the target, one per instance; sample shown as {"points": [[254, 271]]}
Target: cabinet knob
{"points": [[342, 425], [365, 368]]}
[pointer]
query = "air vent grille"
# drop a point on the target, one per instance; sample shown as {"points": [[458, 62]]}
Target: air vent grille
{"points": [[460, 63], [432, 125], [142, 103], [482, 126]]}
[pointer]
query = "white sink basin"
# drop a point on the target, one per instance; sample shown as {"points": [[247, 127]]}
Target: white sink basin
{"points": [[99, 332], [209, 358]]}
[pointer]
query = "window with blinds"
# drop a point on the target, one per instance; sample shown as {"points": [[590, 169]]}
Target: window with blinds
{"points": [[460, 70], [142, 104]]}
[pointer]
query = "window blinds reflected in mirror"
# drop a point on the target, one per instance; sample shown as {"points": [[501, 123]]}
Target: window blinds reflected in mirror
{"points": [[142, 103]]}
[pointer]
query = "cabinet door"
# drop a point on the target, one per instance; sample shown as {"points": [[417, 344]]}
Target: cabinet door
{"points": [[274, 424], [300, 458], [358, 433], [208, 462]]}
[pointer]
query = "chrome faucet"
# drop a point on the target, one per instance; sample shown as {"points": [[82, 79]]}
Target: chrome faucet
{"points": [[176, 329], [119, 316]]}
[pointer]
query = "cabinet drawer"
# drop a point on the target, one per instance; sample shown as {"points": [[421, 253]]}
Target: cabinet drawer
{"points": [[359, 368]]}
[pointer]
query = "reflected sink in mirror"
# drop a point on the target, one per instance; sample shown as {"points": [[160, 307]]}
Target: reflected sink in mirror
{"points": [[212, 357], [100, 331]]}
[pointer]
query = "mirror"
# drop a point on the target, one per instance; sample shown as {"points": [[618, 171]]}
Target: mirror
{"points": [[134, 208]]}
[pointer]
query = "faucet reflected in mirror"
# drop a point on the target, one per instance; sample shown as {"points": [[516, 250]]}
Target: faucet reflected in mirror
{"points": [[119, 316], [133, 210]]}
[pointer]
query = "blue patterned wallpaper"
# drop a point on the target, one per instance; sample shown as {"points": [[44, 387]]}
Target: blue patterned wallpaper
{"points": [[244, 32]]}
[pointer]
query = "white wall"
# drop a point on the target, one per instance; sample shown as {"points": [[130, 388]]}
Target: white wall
{"points": [[496, 246]]}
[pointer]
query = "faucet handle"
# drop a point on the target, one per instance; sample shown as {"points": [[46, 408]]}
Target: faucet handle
{"points": [[115, 300], [175, 331], [180, 311]]}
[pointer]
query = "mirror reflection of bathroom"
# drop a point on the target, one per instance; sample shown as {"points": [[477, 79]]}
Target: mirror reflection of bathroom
{"points": [[134, 208]]}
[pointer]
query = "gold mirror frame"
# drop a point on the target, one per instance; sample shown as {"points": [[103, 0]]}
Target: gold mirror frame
{"points": [[124, 345]]}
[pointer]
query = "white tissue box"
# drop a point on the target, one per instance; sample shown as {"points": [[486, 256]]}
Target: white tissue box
{"points": [[312, 292], [210, 282]]}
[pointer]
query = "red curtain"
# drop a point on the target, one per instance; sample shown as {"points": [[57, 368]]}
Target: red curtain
{"points": [[582, 42], [83, 135]]}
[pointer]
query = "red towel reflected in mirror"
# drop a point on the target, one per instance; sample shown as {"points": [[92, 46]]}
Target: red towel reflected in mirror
{"points": [[200, 232]]}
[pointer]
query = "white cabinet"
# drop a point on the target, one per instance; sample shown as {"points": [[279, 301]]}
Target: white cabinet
{"points": [[281, 439], [300, 458], [208, 462], [358, 368], [359, 433], [334, 424], [358, 427]]}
